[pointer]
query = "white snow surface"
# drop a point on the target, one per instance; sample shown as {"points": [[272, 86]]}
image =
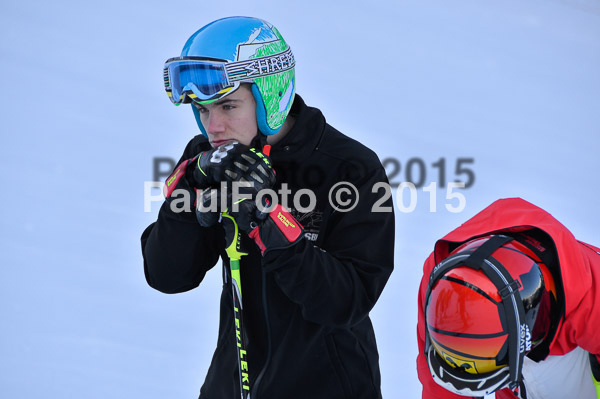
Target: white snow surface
{"points": [[514, 85]]}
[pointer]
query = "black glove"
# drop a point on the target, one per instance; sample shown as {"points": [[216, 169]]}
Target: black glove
{"points": [[209, 209], [212, 203], [278, 230], [233, 162]]}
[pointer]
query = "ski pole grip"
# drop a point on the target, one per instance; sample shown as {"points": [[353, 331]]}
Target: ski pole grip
{"points": [[260, 215]]}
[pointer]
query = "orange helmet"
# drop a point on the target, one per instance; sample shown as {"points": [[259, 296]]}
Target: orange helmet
{"points": [[488, 304]]}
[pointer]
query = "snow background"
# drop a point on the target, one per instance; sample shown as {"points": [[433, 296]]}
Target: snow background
{"points": [[513, 84]]}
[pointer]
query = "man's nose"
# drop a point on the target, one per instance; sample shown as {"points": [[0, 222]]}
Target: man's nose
{"points": [[215, 123]]}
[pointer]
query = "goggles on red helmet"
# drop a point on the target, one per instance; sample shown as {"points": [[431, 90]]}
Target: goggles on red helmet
{"points": [[477, 385], [206, 79]]}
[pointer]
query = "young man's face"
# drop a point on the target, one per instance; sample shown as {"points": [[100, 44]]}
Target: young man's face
{"points": [[230, 118]]}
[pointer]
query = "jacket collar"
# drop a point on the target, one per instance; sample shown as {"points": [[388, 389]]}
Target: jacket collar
{"points": [[304, 136]]}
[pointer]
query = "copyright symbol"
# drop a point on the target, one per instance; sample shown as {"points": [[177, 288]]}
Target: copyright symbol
{"points": [[343, 196]]}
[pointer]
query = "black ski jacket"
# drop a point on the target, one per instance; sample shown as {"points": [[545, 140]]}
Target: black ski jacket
{"points": [[306, 308]]}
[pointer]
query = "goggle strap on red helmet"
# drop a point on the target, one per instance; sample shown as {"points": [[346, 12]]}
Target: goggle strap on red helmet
{"points": [[508, 288], [474, 260], [484, 251]]}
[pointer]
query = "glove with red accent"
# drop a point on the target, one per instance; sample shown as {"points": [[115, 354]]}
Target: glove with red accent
{"points": [[277, 229], [230, 163], [273, 230], [233, 162], [180, 180]]}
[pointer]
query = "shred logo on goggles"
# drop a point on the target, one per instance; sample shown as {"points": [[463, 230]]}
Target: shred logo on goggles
{"points": [[261, 66]]}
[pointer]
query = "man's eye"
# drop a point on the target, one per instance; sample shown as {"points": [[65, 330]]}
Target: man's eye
{"points": [[228, 107]]}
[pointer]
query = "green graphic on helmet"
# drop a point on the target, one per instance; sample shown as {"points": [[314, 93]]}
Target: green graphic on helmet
{"points": [[277, 90]]}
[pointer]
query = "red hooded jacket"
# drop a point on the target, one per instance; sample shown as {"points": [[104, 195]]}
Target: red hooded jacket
{"points": [[580, 268]]}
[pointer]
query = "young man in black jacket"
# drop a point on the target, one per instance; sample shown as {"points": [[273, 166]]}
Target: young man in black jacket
{"points": [[307, 293]]}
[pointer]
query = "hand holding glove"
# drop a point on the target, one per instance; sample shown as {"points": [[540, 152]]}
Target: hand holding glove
{"points": [[272, 230], [276, 229], [229, 163], [233, 162]]}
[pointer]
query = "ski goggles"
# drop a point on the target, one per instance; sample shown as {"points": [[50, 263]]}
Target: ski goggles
{"points": [[206, 79], [463, 383]]}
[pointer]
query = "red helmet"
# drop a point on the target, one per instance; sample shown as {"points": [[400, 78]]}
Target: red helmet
{"points": [[488, 304]]}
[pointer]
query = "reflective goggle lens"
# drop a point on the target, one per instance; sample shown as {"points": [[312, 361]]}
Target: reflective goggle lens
{"points": [[463, 383], [198, 80]]}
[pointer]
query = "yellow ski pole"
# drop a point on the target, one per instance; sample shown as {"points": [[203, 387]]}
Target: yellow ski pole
{"points": [[232, 247]]}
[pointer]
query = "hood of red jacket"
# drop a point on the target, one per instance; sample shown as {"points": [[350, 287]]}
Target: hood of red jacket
{"points": [[516, 214]]}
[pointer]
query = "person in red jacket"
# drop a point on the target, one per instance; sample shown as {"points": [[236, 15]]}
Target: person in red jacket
{"points": [[509, 303]]}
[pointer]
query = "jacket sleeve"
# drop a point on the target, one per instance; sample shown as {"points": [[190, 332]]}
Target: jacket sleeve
{"points": [[177, 251], [339, 284]]}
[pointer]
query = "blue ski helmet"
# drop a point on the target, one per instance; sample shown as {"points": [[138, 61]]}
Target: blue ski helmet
{"points": [[227, 52]]}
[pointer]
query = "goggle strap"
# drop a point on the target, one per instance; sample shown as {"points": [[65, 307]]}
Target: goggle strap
{"points": [[261, 66], [511, 300], [475, 260]]}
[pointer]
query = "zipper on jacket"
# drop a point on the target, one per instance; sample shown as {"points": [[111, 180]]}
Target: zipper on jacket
{"points": [[268, 358]]}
